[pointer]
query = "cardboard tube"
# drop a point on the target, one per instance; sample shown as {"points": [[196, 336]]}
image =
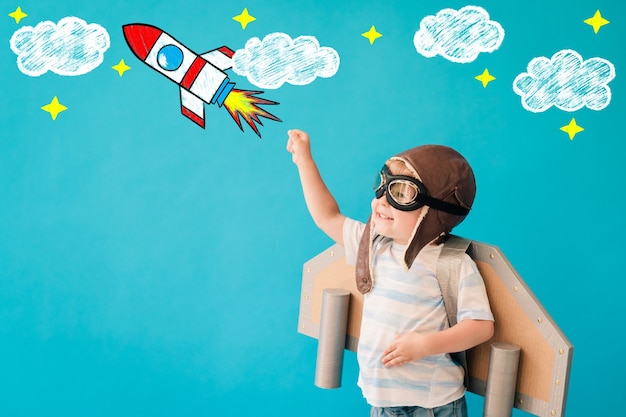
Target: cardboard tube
{"points": [[501, 380], [332, 337]]}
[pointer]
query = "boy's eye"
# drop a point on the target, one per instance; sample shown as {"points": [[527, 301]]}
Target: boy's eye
{"points": [[398, 194], [403, 192]]}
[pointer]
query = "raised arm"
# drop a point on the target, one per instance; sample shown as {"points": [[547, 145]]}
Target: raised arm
{"points": [[320, 202]]}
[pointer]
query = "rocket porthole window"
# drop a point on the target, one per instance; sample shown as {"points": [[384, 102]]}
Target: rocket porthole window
{"points": [[170, 57]]}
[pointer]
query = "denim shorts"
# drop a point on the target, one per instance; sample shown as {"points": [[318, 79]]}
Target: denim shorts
{"points": [[456, 408]]}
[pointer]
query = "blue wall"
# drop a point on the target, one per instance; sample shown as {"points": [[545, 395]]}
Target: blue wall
{"points": [[150, 267]]}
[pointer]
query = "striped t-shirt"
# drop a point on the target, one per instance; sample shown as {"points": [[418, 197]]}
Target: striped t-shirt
{"points": [[403, 301]]}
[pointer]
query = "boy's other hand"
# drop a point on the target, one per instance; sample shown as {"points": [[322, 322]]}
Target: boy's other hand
{"points": [[406, 348], [299, 146]]}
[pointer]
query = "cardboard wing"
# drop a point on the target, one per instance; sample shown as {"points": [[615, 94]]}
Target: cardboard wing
{"points": [[546, 354]]}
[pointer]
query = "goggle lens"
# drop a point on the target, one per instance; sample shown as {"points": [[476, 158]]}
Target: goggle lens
{"points": [[403, 192]]}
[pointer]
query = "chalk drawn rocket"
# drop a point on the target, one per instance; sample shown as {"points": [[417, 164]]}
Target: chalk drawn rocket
{"points": [[201, 77]]}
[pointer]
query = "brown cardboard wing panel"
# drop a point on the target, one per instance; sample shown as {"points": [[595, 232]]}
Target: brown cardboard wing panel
{"points": [[537, 358], [329, 270], [546, 354]]}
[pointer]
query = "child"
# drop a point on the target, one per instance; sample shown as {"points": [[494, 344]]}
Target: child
{"points": [[405, 340]]}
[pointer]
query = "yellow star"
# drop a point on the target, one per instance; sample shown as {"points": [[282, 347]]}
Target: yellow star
{"points": [[18, 14], [244, 18], [597, 21], [485, 78], [54, 108], [372, 35], [121, 68], [572, 128]]}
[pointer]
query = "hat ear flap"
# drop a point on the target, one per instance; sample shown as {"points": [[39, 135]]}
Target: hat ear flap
{"points": [[363, 272], [415, 243]]}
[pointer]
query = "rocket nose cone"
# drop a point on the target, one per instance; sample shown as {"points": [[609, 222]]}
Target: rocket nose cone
{"points": [[141, 38]]}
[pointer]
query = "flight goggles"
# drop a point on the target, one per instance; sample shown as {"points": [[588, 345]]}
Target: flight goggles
{"points": [[407, 194]]}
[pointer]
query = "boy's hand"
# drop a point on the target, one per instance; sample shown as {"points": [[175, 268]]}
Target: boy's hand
{"points": [[299, 146], [414, 346], [406, 348]]}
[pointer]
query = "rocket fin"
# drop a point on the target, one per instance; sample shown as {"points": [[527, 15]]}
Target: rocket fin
{"points": [[192, 107], [220, 57]]}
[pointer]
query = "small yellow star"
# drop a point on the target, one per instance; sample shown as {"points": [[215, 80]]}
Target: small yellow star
{"points": [[597, 21], [372, 35], [244, 18], [18, 14], [54, 108], [485, 78], [572, 128], [121, 68]]}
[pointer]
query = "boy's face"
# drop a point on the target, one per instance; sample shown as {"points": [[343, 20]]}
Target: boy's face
{"points": [[393, 223]]}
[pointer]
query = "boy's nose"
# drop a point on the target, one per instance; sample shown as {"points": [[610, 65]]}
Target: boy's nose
{"points": [[383, 199]]}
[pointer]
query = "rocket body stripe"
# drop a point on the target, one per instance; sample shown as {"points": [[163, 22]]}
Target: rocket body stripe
{"points": [[193, 72], [226, 51], [221, 57]]}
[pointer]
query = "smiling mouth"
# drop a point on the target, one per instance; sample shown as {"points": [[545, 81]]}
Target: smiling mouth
{"points": [[383, 217]]}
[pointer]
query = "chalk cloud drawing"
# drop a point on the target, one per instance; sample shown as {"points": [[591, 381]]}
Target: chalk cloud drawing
{"points": [[278, 59], [565, 81], [70, 47], [458, 36]]}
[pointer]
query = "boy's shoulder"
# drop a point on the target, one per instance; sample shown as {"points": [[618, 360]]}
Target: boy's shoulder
{"points": [[428, 257]]}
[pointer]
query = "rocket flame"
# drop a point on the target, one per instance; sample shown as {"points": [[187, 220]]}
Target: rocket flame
{"points": [[246, 104]]}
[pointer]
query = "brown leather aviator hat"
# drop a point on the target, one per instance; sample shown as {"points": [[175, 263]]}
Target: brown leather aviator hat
{"points": [[450, 190]]}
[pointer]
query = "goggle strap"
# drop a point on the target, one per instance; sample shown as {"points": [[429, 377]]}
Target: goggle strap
{"points": [[443, 205], [422, 199]]}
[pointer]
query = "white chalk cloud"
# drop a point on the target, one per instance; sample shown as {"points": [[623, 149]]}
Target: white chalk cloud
{"points": [[278, 59], [565, 81], [458, 36], [70, 47]]}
